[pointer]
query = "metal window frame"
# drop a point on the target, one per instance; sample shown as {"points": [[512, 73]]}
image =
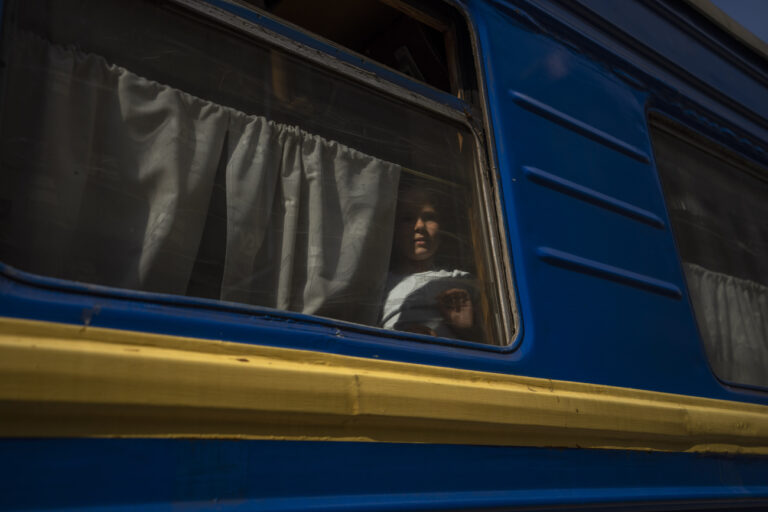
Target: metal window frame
{"points": [[477, 123], [659, 120]]}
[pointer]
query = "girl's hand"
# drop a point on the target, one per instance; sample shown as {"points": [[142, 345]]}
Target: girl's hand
{"points": [[456, 307]]}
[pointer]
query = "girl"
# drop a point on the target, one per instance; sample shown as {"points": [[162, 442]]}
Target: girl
{"points": [[419, 296]]}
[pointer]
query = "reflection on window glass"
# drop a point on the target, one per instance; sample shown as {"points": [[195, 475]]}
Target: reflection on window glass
{"points": [[146, 149], [718, 206]]}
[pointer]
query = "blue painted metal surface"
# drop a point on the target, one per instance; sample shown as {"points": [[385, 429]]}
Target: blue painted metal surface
{"points": [[665, 46], [584, 74], [593, 196], [112, 474], [668, 33], [619, 275], [619, 335], [580, 127]]}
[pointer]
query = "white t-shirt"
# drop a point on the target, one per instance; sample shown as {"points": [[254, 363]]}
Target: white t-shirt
{"points": [[412, 299]]}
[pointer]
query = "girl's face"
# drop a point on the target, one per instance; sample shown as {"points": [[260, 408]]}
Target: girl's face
{"points": [[417, 230]]}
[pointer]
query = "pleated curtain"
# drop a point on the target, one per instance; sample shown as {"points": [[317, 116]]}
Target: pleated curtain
{"points": [[731, 315], [112, 175]]}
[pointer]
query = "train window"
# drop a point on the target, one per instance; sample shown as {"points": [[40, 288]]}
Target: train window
{"points": [[150, 146], [420, 39], [718, 205]]}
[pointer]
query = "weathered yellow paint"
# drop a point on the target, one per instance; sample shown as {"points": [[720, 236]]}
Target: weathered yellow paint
{"points": [[69, 381]]}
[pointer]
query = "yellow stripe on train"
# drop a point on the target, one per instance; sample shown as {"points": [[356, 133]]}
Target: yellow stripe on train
{"points": [[60, 380]]}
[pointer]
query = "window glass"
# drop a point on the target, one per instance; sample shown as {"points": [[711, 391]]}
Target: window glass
{"points": [[718, 205], [149, 149], [420, 39]]}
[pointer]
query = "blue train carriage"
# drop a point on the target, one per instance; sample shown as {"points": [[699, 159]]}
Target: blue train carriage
{"points": [[382, 255]]}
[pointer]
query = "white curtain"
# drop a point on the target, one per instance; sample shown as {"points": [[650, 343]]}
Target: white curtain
{"points": [[733, 316], [113, 174]]}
